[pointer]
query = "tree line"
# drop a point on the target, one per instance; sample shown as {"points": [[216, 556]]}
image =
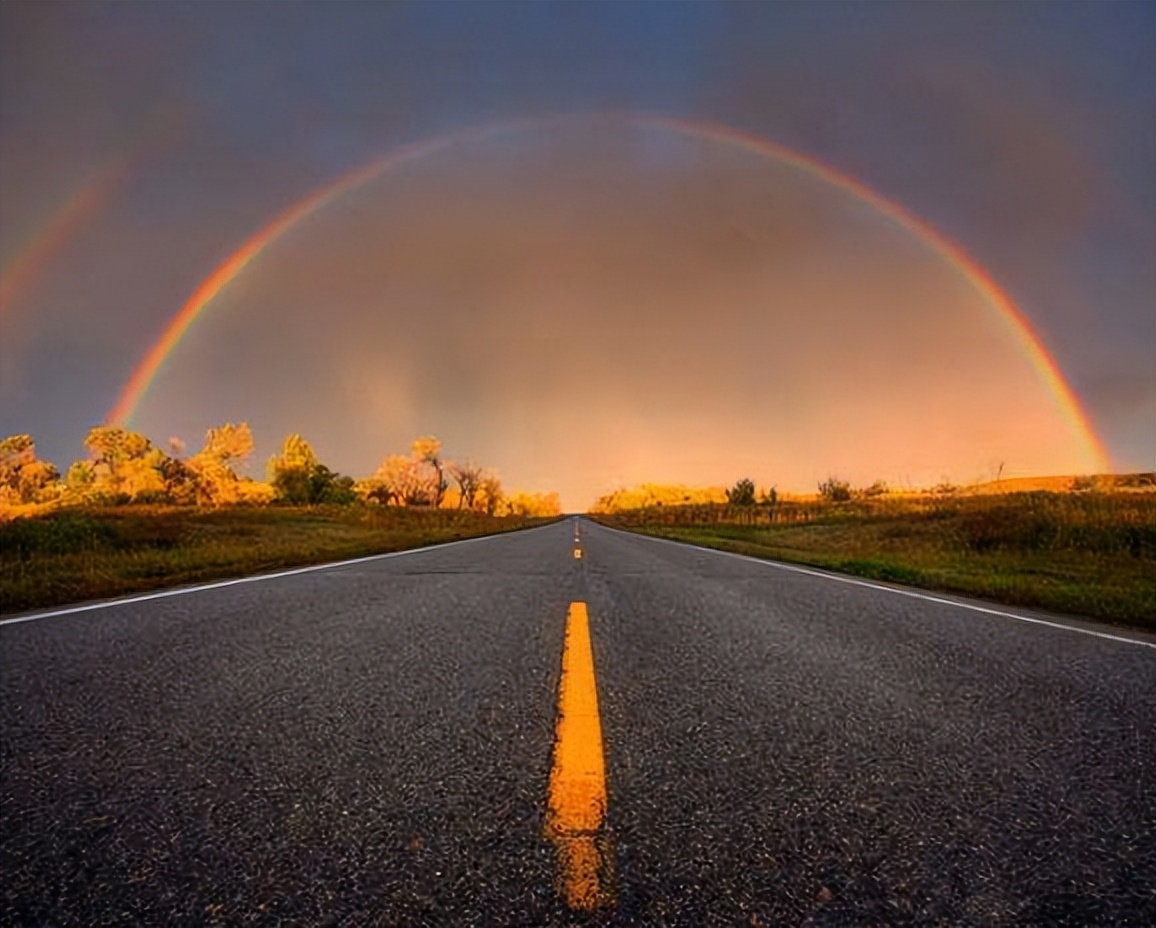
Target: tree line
{"points": [[125, 467], [743, 494]]}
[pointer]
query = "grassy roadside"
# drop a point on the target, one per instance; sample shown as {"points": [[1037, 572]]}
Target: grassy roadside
{"points": [[79, 554], [1091, 555]]}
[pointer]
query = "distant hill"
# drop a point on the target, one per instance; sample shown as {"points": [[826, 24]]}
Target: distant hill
{"points": [[1103, 482]]}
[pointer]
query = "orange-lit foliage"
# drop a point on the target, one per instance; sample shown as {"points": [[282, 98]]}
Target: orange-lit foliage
{"points": [[657, 494], [743, 495], [298, 477], [469, 478], [397, 481], [1120, 509], [296, 453], [533, 504], [24, 478], [214, 466], [125, 467], [489, 496], [420, 479], [427, 453]]}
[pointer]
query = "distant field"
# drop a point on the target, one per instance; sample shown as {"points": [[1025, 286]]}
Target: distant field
{"points": [[1089, 553], [78, 554]]}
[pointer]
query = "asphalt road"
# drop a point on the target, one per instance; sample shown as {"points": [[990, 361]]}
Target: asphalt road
{"points": [[370, 744]]}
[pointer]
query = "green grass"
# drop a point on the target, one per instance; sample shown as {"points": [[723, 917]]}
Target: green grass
{"points": [[80, 554], [1088, 554]]}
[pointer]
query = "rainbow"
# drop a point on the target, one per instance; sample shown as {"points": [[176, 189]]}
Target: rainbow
{"points": [[145, 372], [1038, 356], [30, 260]]}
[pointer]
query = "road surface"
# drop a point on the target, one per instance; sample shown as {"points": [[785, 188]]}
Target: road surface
{"points": [[373, 743]]}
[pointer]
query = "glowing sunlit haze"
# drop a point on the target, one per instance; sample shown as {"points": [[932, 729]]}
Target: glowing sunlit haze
{"points": [[598, 303], [588, 245]]}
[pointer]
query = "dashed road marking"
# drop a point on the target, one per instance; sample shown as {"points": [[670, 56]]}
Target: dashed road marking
{"points": [[576, 804]]}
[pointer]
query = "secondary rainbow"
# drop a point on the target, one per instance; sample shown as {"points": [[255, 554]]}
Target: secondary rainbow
{"points": [[1043, 363], [30, 261]]}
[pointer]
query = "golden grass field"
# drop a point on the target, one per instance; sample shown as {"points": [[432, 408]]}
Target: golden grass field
{"points": [[89, 553], [1028, 542], [1085, 546]]}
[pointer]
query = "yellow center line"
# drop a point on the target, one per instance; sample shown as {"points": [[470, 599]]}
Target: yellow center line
{"points": [[576, 807]]}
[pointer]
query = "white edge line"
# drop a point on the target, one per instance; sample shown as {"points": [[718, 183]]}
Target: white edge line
{"points": [[888, 589], [255, 578]]}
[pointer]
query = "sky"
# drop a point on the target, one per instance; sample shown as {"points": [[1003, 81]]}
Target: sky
{"points": [[590, 245]]}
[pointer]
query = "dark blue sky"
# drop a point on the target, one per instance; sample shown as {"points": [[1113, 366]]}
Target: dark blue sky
{"points": [[1025, 132]]}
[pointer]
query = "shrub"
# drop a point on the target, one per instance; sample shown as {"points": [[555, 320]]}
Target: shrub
{"points": [[306, 486], [742, 493], [835, 490]]}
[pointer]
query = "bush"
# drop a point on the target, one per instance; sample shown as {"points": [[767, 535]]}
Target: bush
{"points": [[742, 493], [308, 486], [835, 490]]}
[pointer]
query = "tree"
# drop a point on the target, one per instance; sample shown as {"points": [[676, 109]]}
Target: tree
{"points": [[255, 492], [296, 453], [648, 495], [533, 504], [835, 490], [15, 452], [490, 494], [81, 478], [232, 444], [215, 464], [335, 489], [181, 482], [427, 450], [24, 478], [290, 471], [299, 478], [742, 493], [387, 484], [417, 480], [410, 484], [468, 477], [422, 479], [125, 464]]}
